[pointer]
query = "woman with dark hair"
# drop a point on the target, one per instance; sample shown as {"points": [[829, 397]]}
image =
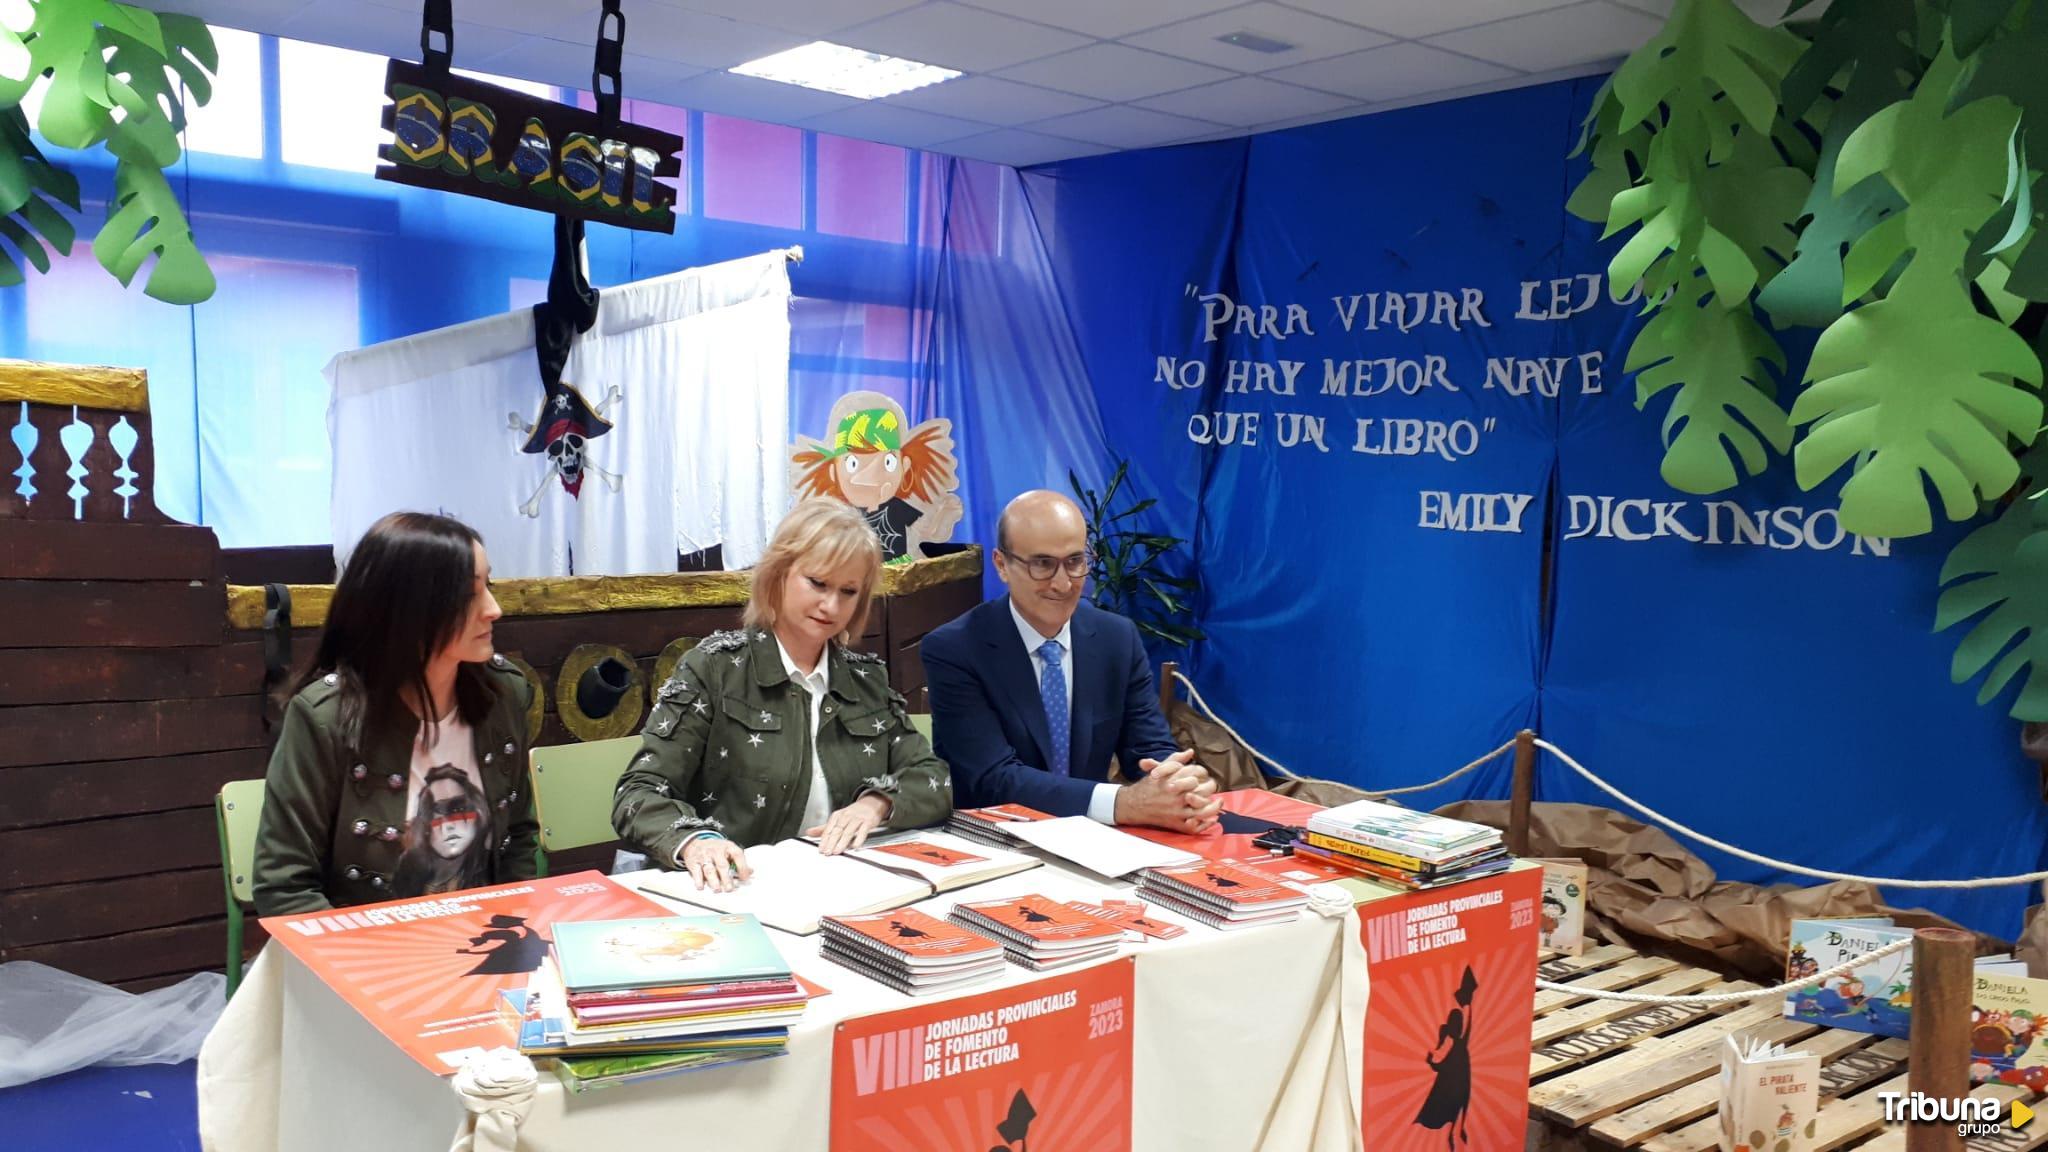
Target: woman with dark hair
{"points": [[405, 728]]}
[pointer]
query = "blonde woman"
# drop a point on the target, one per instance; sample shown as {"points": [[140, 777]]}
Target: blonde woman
{"points": [[780, 729]]}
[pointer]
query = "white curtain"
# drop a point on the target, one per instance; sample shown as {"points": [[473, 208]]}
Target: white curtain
{"points": [[698, 437]]}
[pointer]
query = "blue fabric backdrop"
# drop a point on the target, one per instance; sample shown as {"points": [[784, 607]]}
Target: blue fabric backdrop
{"points": [[1374, 604]]}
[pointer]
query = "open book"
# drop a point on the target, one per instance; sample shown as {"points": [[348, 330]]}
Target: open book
{"points": [[793, 885]]}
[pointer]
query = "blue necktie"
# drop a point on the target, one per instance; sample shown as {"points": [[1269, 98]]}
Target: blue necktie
{"points": [[1052, 692]]}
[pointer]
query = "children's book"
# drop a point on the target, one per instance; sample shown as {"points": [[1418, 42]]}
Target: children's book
{"points": [[1770, 1097], [658, 951], [2009, 1029], [1562, 920]]}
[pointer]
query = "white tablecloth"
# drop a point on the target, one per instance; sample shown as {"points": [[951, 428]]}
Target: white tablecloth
{"points": [[1240, 1040]]}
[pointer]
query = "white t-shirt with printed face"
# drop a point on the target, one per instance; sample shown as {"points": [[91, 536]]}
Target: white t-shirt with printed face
{"points": [[448, 820]]}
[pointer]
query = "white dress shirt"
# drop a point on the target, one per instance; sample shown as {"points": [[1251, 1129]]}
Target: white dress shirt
{"points": [[1102, 803], [819, 806]]}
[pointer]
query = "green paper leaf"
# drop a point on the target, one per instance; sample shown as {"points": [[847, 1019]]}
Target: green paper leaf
{"points": [[1725, 410], [146, 221], [1870, 43], [1972, 22], [1999, 572], [2029, 276], [1916, 388], [1734, 219], [1708, 49]]}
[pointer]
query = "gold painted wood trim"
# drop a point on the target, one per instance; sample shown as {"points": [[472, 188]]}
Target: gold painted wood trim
{"points": [[86, 385], [566, 595]]}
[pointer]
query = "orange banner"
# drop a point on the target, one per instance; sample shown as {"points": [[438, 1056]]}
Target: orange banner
{"points": [[1448, 1017], [427, 971], [1040, 1065]]}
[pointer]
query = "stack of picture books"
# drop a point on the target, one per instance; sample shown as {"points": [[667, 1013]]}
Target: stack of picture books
{"points": [[1221, 895], [986, 825], [1041, 933], [912, 952], [624, 1000], [1403, 848]]}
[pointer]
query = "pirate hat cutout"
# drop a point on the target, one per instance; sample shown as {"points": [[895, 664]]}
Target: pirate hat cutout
{"points": [[1018, 1124], [602, 686], [562, 410], [1467, 987]]}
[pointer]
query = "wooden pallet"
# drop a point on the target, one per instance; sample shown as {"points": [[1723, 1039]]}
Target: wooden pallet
{"points": [[1609, 1074]]}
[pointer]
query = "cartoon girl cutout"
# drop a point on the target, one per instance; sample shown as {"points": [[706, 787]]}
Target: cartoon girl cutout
{"points": [[448, 838], [901, 478]]}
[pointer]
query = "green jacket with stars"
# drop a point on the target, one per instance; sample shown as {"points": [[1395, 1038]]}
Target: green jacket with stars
{"points": [[728, 748], [333, 820]]}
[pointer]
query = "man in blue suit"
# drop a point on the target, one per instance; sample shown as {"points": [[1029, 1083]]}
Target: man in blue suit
{"points": [[1033, 693]]}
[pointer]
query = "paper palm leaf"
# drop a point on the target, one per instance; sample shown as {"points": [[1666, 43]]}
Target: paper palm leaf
{"points": [[144, 220], [2000, 572], [1715, 193], [1725, 409], [28, 185], [1709, 50], [1917, 385], [1873, 43]]}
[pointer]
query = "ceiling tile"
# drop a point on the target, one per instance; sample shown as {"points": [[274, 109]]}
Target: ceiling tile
{"points": [[248, 15], [754, 98], [1246, 101], [381, 31], [814, 18], [1311, 38], [694, 38], [1115, 72], [956, 36], [992, 101], [1761, 11], [1425, 17], [1123, 126], [1018, 148], [646, 78], [1559, 38], [535, 58], [535, 17], [1110, 20], [1393, 72], [886, 124]]}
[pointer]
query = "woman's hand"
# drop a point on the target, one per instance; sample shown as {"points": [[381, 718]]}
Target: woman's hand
{"points": [[716, 863], [849, 827]]}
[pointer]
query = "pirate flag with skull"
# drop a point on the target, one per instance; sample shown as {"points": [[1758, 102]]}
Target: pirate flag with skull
{"points": [[562, 432], [566, 423]]}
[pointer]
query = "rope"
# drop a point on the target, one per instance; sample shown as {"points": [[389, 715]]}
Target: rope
{"points": [[1767, 861], [1195, 695], [1729, 997]]}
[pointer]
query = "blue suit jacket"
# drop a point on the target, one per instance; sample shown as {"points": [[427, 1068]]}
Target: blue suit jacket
{"points": [[988, 723]]}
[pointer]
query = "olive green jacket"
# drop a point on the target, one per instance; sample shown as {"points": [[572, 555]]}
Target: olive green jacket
{"points": [[334, 814], [728, 748]]}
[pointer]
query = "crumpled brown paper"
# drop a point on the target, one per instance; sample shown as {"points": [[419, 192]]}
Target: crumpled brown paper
{"points": [[1233, 767], [1643, 888]]}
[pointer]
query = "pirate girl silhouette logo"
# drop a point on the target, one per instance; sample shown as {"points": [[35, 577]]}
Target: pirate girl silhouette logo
{"points": [[1450, 1098], [901, 478], [1447, 1023]]}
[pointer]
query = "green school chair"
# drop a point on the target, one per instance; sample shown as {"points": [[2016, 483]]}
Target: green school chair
{"points": [[572, 793], [236, 810]]}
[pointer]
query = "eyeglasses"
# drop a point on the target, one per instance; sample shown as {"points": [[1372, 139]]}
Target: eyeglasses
{"points": [[1042, 567]]}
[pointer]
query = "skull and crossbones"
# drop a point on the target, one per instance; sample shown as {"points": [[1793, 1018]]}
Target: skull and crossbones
{"points": [[563, 433]]}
